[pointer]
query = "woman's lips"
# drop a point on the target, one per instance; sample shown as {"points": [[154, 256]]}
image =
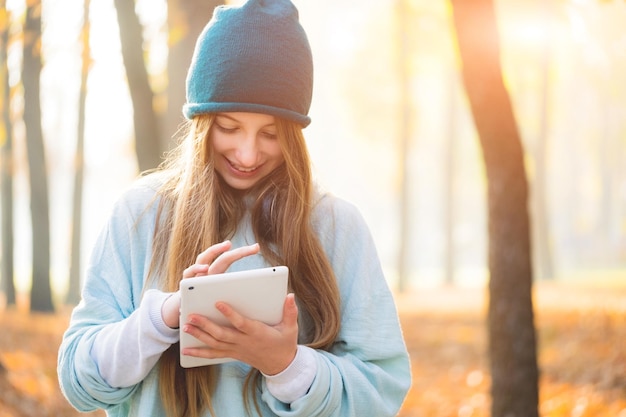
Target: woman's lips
{"points": [[242, 171]]}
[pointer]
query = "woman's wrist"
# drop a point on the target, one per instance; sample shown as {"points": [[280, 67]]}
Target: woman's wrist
{"points": [[277, 368], [295, 380], [170, 310]]}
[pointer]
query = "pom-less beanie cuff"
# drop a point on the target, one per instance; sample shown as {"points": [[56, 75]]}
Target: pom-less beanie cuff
{"points": [[252, 58], [191, 110]]}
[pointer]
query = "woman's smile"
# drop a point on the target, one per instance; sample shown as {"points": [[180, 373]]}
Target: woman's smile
{"points": [[241, 169]]}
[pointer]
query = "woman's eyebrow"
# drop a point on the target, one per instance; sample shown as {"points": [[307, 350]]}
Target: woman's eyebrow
{"points": [[226, 116], [272, 124]]}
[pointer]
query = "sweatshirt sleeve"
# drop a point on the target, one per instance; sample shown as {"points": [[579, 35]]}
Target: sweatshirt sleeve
{"points": [[367, 371], [126, 351], [112, 292]]}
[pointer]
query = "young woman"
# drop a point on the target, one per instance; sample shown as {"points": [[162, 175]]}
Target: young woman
{"points": [[237, 194]]}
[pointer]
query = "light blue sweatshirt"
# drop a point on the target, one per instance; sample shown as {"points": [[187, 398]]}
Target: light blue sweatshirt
{"points": [[366, 373]]}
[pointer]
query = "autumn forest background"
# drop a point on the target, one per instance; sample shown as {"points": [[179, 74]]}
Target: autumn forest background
{"points": [[484, 142]]}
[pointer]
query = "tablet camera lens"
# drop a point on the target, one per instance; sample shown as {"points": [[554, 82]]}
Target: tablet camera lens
{"points": [[191, 288]]}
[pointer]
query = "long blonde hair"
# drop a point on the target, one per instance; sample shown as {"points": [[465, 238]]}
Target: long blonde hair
{"points": [[197, 209]]}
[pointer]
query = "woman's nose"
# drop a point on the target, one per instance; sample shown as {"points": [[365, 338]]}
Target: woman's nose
{"points": [[247, 151]]}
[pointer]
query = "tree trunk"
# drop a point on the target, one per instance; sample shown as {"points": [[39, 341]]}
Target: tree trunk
{"points": [[450, 164], [404, 144], [40, 295], [541, 225], [6, 165], [147, 140], [73, 293], [512, 343], [185, 20]]}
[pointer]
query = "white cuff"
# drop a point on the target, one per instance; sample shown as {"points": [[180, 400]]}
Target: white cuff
{"points": [[294, 382]]}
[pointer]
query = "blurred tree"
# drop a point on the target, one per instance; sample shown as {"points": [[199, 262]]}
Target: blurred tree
{"points": [[512, 340], [147, 135], [450, 168], [541, 225], [40, 295], [405, 140], [6, 162], [73, 293], [185, 20]]}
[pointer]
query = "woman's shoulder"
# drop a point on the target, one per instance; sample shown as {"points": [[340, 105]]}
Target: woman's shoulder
{"points": [[329, 207], [142, 193], [341, 229], [149, 183]]}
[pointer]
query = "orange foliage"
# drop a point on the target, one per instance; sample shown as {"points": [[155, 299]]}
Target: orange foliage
{"points": [[28, 378], [582, 355]]}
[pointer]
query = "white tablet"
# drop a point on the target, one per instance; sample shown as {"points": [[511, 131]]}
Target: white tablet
{"points": [[258, 294]]}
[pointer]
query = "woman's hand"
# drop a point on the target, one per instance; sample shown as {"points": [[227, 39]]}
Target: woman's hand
{"points": [[270, 349], [215, 260]]}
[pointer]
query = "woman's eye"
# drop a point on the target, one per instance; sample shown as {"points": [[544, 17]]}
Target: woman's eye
{"points": [[269, 135], [225, 129]]}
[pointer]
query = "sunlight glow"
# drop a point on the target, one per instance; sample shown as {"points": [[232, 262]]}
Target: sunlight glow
{"points": [[353, 137], [578, 27], [531, 33]]}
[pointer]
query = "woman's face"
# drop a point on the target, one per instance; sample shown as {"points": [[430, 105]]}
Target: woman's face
{"points": [[245, 148]]}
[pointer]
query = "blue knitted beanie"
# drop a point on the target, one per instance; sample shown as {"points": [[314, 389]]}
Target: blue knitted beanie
{"points": [[252, 58]]}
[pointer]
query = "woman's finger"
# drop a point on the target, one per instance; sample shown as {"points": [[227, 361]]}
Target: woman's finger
{"points": [[218, 258], [225, 260], [196, 270], [208, 332], [290, 311], [209, 255]]}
